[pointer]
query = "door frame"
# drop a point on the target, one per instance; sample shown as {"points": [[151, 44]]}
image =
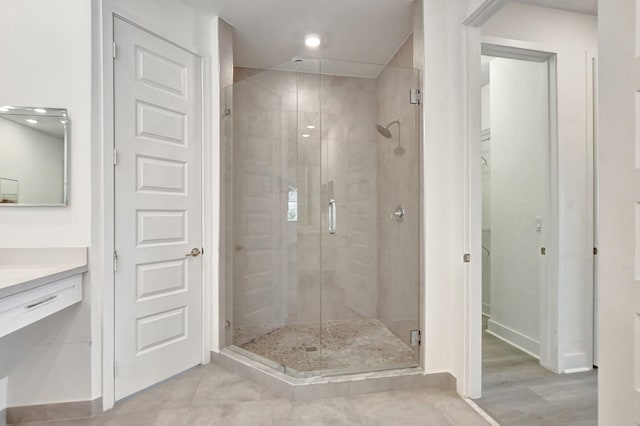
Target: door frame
{"points": [[478, 14], [103, 202], [510, 49]]}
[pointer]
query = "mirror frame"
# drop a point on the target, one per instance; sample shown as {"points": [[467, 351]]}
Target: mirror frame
{"points": [[50, 112]]}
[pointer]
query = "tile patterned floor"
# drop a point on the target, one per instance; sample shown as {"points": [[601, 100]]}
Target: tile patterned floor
{"points": [[212, 395], [340, 345], [518, 391]]}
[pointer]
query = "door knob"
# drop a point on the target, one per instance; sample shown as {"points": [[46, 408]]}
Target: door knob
{"points": [[194, 252]]}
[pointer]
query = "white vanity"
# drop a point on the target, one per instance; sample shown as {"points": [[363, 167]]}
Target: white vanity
{"points": [[37, 282]]}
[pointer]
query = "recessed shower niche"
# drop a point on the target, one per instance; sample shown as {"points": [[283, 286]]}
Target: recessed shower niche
{"points": [[321, 216]]}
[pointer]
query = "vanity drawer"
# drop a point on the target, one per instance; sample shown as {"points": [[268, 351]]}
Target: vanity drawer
{"points": [[22, 309]]}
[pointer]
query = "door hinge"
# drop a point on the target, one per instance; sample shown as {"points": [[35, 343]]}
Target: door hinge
{"points": [[115, 368], [415, 338], [543, 251], [114, 50], [595, 251], [202, 251], [115, 261], [227, 324], [415, 96], [115, 156], [466, 258]]}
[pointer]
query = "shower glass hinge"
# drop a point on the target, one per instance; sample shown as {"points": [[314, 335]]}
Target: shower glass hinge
{"points": [[414, 338], [415, 96], [227, 112], [466, 258], [115, 261], [227, 324]]}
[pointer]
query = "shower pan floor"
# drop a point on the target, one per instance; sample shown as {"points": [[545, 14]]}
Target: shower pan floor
{"points": [[356, 345]]}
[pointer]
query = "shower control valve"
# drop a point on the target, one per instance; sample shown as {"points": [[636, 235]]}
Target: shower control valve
{"points": [[398, 214]]}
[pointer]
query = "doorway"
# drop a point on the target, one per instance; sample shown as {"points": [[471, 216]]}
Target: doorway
{"points": [[157, 89], [515, 147]]}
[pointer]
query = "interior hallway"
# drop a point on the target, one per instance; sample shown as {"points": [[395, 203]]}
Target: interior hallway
{"points": [[516, 390], [212, 395]]}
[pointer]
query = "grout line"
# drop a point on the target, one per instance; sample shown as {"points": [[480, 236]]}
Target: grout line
{"points": [[480, 411]]}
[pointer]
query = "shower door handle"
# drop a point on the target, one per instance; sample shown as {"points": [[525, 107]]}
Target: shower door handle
{"points": [[332, 216]]}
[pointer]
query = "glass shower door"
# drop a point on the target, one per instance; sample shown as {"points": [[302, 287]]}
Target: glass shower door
{"points": [[369, 302]]}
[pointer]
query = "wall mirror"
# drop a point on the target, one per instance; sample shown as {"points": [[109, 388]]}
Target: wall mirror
{"points": [[33, 156]]}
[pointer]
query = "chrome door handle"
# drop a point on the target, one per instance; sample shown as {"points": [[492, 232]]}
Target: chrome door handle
{"points": [[194, 252], [332, 216]]}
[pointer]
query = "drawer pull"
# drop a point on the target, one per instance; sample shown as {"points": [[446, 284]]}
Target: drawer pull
{"points": [[48, 299]]}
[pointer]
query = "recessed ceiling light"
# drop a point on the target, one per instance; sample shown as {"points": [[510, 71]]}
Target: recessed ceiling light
{"points": [[8, 107], [312, 40], [311, 127], [32, 121], [63, 121], [305, 135], [3, 109], [40, 110]]}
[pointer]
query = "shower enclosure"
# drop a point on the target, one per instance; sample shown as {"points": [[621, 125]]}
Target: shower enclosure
{"points": [[321, 216]]}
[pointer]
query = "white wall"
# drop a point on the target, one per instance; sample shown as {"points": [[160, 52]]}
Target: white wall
{"points": [[35, 159], [50, 361], [443, 202], [519, 140], [573, 37], [35, 74]]}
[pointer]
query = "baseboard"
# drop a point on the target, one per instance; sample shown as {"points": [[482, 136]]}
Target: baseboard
{"points": [[575, 363], [515, 338], [50, 412]]}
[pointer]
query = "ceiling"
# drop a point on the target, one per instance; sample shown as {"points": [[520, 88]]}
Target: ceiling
{"points": [[582, 6], [269, 33]]}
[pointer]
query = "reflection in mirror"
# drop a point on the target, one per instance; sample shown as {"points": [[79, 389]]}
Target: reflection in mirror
{"points": [[33, 156]]}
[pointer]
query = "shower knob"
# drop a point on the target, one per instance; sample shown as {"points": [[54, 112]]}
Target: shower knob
{"points": [[398, 214]]}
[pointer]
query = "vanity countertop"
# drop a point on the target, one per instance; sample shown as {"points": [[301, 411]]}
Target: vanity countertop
{"points": [[24, 269], [17, 278]]}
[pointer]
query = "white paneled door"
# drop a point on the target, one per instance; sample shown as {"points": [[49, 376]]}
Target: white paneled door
{"points": [[158, 202]]}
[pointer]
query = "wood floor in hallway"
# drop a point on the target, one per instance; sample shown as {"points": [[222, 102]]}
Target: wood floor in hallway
{"points": [[516, 390]]}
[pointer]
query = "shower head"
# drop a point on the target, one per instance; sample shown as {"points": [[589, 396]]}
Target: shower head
{"points": [[384, 131]]}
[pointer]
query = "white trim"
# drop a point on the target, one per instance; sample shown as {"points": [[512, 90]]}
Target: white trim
{"points": [[483, 12], [575, 362], [514, 338], [470, 384], [105, 211]]}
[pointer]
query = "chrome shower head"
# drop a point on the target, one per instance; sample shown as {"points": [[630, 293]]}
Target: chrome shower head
{"points": [[384, 131]]}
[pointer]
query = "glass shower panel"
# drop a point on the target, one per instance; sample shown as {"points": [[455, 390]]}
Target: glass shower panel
{"points": [[370, 154], [272, 217]]}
